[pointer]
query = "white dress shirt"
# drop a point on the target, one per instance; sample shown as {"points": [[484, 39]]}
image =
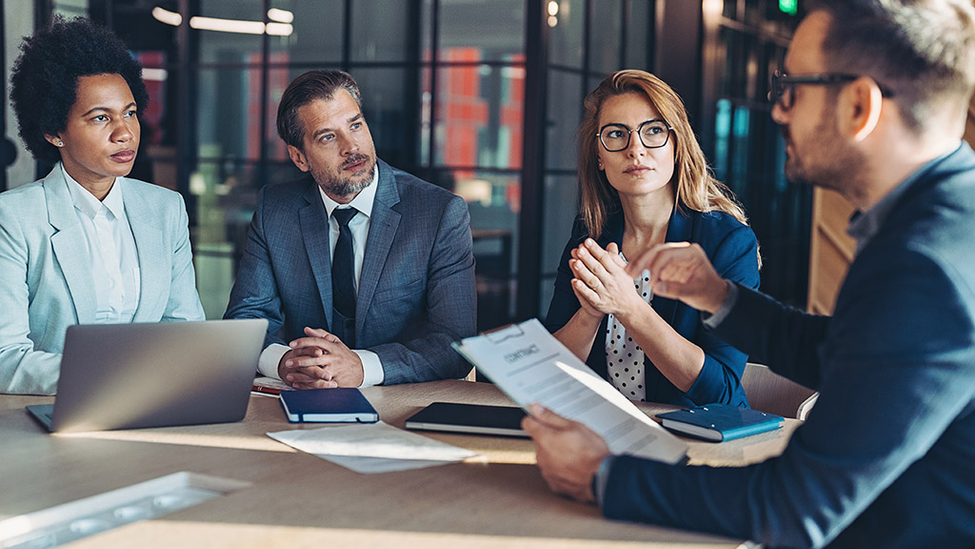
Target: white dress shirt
{"points": [[111, 252], [372, 366]]}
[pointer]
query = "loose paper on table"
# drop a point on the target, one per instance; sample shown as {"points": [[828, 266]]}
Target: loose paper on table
{"points": [[372, 448]]}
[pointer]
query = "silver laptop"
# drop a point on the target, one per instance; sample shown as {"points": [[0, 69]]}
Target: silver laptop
{"points": [[131, 376]]}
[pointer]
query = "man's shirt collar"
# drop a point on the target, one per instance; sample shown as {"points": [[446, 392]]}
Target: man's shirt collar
{"points": [[362, 202], [865, 225]]}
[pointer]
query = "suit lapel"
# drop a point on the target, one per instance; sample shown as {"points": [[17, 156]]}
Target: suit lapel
{"points": [[383, 224], [314, 232], [678, 230], [69, 244], [149, 245], [613, 231]]}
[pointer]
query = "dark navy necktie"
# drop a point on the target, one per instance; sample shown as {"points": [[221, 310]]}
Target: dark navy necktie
{"points": [[343, 279]]}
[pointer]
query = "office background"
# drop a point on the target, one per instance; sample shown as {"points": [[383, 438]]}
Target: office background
{"points": [[479, 96]]}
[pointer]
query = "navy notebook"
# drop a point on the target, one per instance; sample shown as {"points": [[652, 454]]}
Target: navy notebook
{"points": [[328, 406], [719, 422]]}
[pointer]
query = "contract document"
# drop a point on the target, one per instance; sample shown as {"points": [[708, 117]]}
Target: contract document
{"points": [[530, 365]]}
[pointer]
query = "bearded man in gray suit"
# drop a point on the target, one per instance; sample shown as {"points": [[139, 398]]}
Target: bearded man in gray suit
{"points": [[364, 272]]}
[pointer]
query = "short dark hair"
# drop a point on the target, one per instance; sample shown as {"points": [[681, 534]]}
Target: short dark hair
{"points": [[44, 79], [923, 50], [313, 85]]}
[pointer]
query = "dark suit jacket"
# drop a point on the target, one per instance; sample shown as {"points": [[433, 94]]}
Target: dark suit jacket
{"points": [[887, 456], [732, 248], [416, 289]]}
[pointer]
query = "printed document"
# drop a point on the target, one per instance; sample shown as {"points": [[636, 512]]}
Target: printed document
{"points": [[530, 365], [373, 447]]}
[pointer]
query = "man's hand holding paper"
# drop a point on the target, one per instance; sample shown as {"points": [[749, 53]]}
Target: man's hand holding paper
{"points": [[531, 366], [568, 452]]}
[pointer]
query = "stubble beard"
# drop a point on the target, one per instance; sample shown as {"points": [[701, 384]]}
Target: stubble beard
{"points": [[831, 166], [346, 186]]}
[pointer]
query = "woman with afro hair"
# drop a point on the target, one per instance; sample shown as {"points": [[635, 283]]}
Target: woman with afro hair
{"points": [[86, 244]]}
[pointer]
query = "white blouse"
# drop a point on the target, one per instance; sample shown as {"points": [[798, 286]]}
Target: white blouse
{"points": [[111, 252]]}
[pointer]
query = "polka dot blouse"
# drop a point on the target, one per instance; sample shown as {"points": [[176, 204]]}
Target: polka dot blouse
{"points": [[624, 358]]}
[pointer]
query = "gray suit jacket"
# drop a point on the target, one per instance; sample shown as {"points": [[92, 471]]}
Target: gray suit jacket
{"points": [[46, 284], [416, 289]]}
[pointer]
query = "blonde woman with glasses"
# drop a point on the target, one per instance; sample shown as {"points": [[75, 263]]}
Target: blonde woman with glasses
{"points": [[644, 182]]}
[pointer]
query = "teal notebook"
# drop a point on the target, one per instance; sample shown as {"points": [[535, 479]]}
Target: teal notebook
{"points": [[719, 422]]}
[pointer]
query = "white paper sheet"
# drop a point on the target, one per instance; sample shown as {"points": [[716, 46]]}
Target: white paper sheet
{"points": [[530, 365], [275, 385], [372, 448]]}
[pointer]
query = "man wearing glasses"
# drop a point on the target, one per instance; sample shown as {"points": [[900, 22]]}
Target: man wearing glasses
{"points": [[873, 105]]}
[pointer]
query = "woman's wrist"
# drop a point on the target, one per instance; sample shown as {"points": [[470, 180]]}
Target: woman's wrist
{"points": [[632, 310], [589, 317]]}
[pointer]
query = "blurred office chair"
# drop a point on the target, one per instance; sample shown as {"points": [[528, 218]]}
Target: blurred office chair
{"points": [[772, 393]]}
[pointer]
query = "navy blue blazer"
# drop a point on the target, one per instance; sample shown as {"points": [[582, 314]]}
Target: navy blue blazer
{"points": [[416, 290], [733, 250], [887, 457]]}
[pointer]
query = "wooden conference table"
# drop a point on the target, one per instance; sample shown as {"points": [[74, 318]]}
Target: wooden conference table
{"points": [[298, 500]]}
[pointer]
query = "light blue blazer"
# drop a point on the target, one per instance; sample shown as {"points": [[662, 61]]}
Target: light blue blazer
{"points": [[46, 283]]}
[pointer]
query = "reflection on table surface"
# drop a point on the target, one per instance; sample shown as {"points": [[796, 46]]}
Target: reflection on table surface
{"points": [[495, 500]]}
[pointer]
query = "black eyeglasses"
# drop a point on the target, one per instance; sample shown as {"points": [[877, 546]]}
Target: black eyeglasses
{"points": [[653, 134], [782, 90]]}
